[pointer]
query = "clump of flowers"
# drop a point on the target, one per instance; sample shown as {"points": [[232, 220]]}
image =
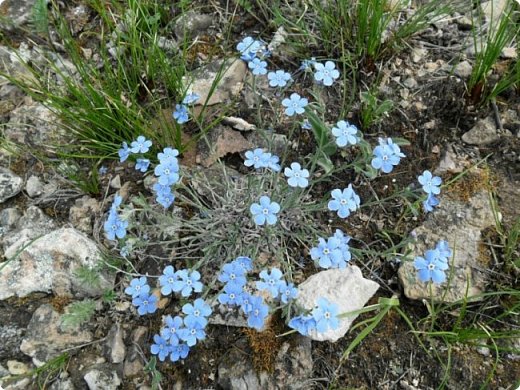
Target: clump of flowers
{"points": [[433, 266], [115, 226], [333, 252], [323, 317], [431, 185]]}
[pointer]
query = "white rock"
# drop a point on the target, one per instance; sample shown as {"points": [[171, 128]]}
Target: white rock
{"points": [[102, 378], [34, 186], [345, 287], [17, 368], [463, 69], [483, 133]]}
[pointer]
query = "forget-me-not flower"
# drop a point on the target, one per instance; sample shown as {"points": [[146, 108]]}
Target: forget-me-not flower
{"points": [[430, 184], [326, 74], [171, 329], [244, 262], [257, 66], [444, 250], [287, 291], [137, 287], [430, 203], [197, 312], [161, 347], [325, 315], [192, 332], [345, 133], [304, 324], [140, 145], [344, 201], [142, 164], [168, 155], [168, 172], [167, 279], [179, 351], [187, 282], [232, 295], [249, 45], [431, 267], [296, 176], [181, 114], [124, 152], [146, 303], [190, 98], [233, 273], [257, 313], [114, 226], [265, 211], [386, 155], [270, 282], [295, 104], [279, 78], [327, 253], [257, 158], [273, 163]]}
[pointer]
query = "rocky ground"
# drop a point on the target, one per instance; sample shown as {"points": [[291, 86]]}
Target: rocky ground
{"points": [[53, 231]]}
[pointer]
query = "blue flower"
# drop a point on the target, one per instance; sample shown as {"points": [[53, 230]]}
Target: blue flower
{"points": [[140, 145], [257, 158], [168, 155], [343, 246], [328, 253], [102, 170], [233, 273], [115, 226], [258, 67], [137, 287], [197, 312], [325, 315], [287, 292], [257, 313], [271, 282], [431, 267], [430, 184], [303, 324], [232, 295], [265, 211], [295, 104], [307, 64], [188, 282], [162, 189], [179, 351], [181, 114], [161, 347], [249, 45], [165, 200], [124, 251], [171, 331], [430, 203], [146, 304], [118, 199], [192, 332], [326, 74], [190, 98], [345, 134], [278, 78], [168, 172], [306, 125], [386, 155], [272, 163], [344, 201], [124, 152], [142, 164], [247, 57], [244, 262], [445, 252], [245, 302], [167, 279], [297, 177]]}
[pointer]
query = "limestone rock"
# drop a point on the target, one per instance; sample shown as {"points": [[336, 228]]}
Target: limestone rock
{"points": [[49, 264], [229, 79], [10, 184], [102, 377], [345, 287], [44, 345], [483, 133], [459, 223], [191, 24]]}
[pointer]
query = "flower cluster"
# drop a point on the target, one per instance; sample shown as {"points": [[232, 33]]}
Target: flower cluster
{"points": [[140, 146], [322, 318], [434, 263], [277, 287], [259, 159], [114, 226], [386, 155], [430, 185], [333, 252], [167, 172], [182, 281], [344, 201], [139, 290], [249, 48]]}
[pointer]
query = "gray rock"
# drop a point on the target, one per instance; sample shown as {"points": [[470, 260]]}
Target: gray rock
{"points": [[44, 345], [49, 264], [335, 285], [116, 349], [102, 377], [220, 141], [292, 367], [493, 10], [509, 53], [11, 336], [83, 213], [463, 69], [191, 24], [15, 13], [16, 384], [228, 77], [33, 187], [17, 368], [62, 384], [3, 371], [10, 184], [9, 218], [459, 223], [410, 82], [483, 133], [134, 363]]}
